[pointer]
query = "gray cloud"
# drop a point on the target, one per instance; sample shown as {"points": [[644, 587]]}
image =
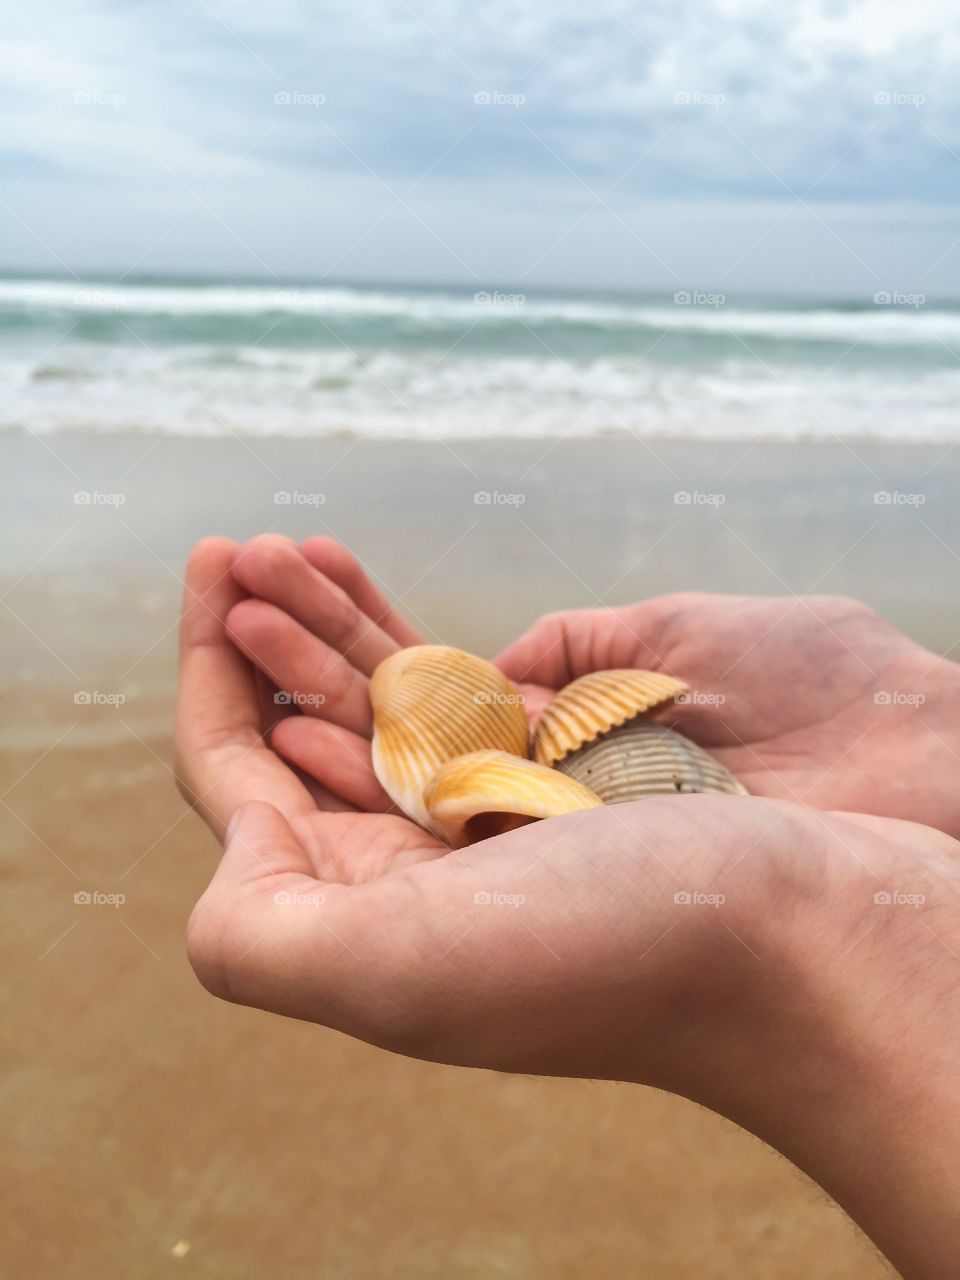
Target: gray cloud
{"points": [[120, 117]]}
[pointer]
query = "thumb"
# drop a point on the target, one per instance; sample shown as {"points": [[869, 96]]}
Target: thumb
{"points": [[562, 646], [541, 656], [262, 857]]}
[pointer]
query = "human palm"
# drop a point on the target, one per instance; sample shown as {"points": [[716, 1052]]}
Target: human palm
{"points": [[817, 700]]}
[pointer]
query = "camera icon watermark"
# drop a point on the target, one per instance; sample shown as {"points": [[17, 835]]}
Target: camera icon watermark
{"points": [[294, 498], [300, 299], [897, 98], [92, 98], [496, 698], [297, 98], [96, 898], [296, 699], [898, 698], [103, 299], [698, 298], [695, 98], [898, 298], [694, 498], [97, 698], [486, 498], [494, 898], [497, 98], [694, 898], [894, 498], [94, 498], [699, 698], [294, 898], [894, 898], [484, 298]]}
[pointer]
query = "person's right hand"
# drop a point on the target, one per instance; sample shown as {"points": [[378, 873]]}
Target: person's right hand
{"points": [[817, 700], [758, 956]]}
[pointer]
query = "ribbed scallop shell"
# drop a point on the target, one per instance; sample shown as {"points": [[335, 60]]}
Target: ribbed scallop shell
{"points": [[488, 792], [430, 704], [587, 707], [644, 759]]}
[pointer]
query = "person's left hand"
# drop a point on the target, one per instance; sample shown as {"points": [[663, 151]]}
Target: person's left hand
{"points": [[227, 712], [315, 627]]}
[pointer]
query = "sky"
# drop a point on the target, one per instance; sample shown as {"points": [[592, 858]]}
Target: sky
{"points": [[713, 144]]}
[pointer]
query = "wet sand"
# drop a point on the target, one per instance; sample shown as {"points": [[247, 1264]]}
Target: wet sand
{"points": [[154, 1131]]}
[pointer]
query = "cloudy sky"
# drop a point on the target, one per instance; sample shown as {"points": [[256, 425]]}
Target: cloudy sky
{"points": [[736, 144]]}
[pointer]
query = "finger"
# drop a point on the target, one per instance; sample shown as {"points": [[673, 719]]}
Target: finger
{"points": [[320, 681], [326, 801], [220, 757], [260, 842], [218, 694], [562, 646], [558, 648], [535, 698], [271, 568], [338, 759], [334, 561]]}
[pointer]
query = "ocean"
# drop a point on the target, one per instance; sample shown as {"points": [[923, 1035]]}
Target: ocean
{"points": [[211, 358]]}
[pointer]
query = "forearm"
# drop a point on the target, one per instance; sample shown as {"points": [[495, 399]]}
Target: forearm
{"points": [[857, 1070]]}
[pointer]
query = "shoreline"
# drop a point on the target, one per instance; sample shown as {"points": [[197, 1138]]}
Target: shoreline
{"points": [[812, 438]]}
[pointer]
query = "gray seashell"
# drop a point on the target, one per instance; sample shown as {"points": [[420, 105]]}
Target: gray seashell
{"points": [[642, 758]]}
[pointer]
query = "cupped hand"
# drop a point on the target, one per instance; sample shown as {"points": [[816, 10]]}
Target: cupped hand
{"points": [[401, 917], [818, 700], [227, 713], [725, 948], [314, 625], [329, 908], [812, 699]]}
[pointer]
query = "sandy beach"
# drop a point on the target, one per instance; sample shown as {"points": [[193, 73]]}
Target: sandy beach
{"points": [[156, 1131]]}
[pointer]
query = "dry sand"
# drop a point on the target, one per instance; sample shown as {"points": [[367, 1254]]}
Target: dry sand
{"points": [[152, 1131]]}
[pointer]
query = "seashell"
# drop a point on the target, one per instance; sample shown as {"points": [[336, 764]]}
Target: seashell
{"points": [[488, 792], [595, 703], [432, 703], [642, 758]]}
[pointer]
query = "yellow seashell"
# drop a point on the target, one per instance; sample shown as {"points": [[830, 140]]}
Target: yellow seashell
{"points": [[646, 759], [488, 792], [595, 703], [432, 703]]}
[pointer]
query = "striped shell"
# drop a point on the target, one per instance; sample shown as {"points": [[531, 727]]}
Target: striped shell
{"points": [[587, 707], [430, 704], [488, 792], [644, 759]]}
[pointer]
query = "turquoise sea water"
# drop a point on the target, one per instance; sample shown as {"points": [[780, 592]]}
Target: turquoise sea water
{"points": [[199, 357]]}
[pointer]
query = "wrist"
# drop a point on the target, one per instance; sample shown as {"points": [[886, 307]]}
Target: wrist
{"points": [[856, 1057], [920, 706]]}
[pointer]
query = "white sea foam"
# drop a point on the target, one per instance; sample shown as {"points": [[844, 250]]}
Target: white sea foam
{"points": [[215, 359], [413, 394], [885, 323]]}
